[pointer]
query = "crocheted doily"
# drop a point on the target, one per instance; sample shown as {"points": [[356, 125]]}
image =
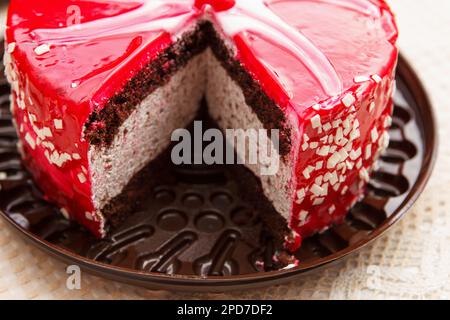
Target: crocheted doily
{"points": [[411, 261]]}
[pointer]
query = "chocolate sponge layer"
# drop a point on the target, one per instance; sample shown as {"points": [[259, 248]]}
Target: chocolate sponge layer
{"points": [[103, 124]]}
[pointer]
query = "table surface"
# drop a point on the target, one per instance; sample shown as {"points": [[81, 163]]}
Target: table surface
{"points": [[411, 261]]}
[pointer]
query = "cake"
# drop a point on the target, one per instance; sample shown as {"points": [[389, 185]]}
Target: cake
{"points": [[98, 88]]}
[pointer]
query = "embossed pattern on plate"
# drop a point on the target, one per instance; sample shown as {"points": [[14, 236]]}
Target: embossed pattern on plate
{"points": [[199, 235]]}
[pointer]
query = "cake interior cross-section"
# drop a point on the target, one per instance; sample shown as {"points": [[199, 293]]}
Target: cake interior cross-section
{"points": [[99, 87]]}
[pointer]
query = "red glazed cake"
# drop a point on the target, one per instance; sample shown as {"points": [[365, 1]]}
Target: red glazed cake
{"points": [[99, 87]]}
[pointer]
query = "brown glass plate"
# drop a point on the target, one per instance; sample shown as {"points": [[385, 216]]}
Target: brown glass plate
{"points": [[196, 233]]}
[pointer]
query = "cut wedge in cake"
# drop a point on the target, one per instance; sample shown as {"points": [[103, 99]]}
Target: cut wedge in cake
{"points": [[100, 86]]}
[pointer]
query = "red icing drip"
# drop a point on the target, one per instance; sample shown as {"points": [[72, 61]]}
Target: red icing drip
{"points": [[293, 242]]}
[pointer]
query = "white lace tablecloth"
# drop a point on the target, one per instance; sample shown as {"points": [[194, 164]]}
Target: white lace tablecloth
{"points": [[411, 261]]}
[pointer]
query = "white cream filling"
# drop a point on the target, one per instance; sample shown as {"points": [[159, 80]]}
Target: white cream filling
{"points": [[147, 131], [228, 108]]}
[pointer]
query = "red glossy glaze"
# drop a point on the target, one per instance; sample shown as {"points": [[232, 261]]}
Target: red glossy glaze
{"points": [[303, 53], [216, 5]]}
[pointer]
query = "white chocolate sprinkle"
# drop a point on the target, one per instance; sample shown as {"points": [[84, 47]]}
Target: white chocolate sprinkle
{"points": [[307, 172], [32, 117], [65, 213], [58, 124], [348, 100], [346, 123], [345, 142], [376, 78], [11, 47], [47, 132], [343, 154], [350, 164], [368, 151], [361, 79], [327, 126], [333, 160], [82, 177], [332, 209], [48, 145], [319, 180], [319, 165], [374, 134], [334, 178], [355, 134], [364, 175], [384, 141], [76, 156], [325, 189], [388, 122], [42, 49], [20, 103], [347, 131], [305, 146], [323, 151], [355, 154], [60, 159], [29, 139], [302, 217], [301, 193], [316, 121], [330, 139], [316, 190], [359, 163], [344, 190], [349, 146], [337, 123], [316, 107], [339, 135], [318, 201], [314, 145]]}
